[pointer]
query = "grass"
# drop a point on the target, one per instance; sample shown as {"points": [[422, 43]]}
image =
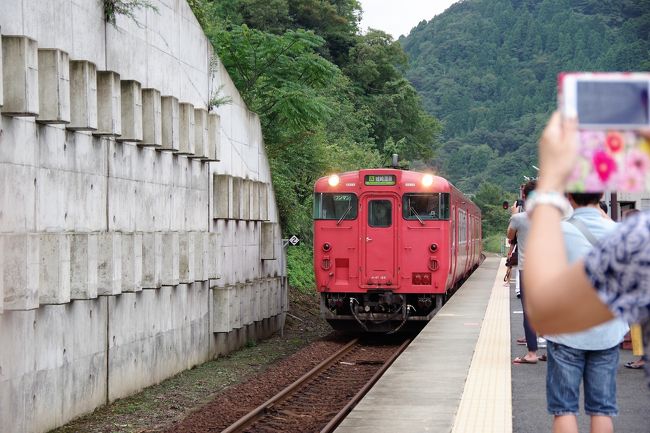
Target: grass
{"points": [[494, 243]]}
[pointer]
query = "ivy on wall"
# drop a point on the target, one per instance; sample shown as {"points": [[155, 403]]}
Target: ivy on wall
{"points": [[113, 8]]}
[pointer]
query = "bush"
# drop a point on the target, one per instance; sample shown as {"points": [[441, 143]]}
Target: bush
{"points": [[494, 243], [300, 268]]}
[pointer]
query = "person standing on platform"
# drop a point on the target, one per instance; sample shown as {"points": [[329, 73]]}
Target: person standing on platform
{"points": [[612, 280], [589, 356], [639, 363], [518, 228]]}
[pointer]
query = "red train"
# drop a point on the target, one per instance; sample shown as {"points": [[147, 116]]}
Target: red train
{"points": [[390, 246]]}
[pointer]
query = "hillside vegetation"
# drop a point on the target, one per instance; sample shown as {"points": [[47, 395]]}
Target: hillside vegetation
{"points": [[487, 69]]}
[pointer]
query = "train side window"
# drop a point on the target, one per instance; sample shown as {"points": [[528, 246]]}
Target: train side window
{"points": [[380, 213], [335, 206], [426, 206]]}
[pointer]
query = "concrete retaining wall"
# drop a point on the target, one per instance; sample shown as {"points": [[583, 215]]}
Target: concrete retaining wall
{"points": [[139, 233]]}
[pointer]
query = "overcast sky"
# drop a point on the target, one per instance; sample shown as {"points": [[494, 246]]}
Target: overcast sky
{"points": [[398, 17]]}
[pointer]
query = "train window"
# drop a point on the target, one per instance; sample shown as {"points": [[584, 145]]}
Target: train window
{"points": [[332, 206], [462, 227], [426, 206], [380, 213]]}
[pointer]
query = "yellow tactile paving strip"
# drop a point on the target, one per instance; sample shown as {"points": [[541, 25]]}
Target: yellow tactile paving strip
{"points": [[486, 404]]}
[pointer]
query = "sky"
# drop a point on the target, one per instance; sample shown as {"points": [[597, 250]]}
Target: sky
{"points": [[398, 17]]}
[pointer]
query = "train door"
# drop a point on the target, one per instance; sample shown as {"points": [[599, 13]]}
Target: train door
{"points": [[462, 241], [454, 255], [379, 241], [470, 239]]}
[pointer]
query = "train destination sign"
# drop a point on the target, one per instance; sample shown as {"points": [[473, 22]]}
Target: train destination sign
{"points": [[380, 180]]}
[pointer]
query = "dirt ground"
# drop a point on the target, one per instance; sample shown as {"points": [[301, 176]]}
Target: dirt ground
{"points": [[163, 406]]}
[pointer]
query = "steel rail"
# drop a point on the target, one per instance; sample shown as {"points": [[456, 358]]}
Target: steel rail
{"points": [[363, 391], [248, 419]]}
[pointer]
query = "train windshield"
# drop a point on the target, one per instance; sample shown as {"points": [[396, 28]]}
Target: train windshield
{"points": [[335, 206], [433, 206]]}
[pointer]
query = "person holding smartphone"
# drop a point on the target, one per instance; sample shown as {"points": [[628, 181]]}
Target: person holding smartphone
{"points": [[614, 277]]}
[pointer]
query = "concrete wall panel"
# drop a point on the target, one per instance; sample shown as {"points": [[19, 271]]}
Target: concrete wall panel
{"points": [[151, 260], [83, 96], [126, 47], [221, 196], [109, 104], [170, 123], [109, 245], [187, 252], [50, 378], [175, 317], [186, 130], [221, 309], [170, 263], [50, 22], [83, 266], [17, 204], [20, 76], [54, 269], [88, 33], [201, 133], [151, 118], [131, 262], [53, 86], [214, 137], [131, 111], [21, 271]]}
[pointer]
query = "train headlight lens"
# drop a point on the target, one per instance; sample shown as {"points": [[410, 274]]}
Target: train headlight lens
{"points": [[327, 246], [433, 247], [333, 180], [427, 180]]}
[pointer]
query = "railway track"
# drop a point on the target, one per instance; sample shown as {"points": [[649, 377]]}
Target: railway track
{"points": [[320, 399]]}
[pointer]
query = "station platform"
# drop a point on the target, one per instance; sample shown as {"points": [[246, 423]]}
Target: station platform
{"points": [[457, 375]]}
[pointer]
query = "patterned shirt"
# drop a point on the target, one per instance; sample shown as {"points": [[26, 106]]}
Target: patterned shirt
{"points": [[619, 269]]}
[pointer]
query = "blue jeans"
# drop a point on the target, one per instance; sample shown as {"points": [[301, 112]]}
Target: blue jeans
{"points": [[529, 332], [567, 367]]}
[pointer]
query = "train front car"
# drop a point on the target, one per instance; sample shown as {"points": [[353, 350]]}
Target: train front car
{"points": [[390, 246]]}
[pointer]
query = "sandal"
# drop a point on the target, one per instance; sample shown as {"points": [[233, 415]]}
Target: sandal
{"points": [[521, 341], [523, 360], [634, 365], [542, 358]]}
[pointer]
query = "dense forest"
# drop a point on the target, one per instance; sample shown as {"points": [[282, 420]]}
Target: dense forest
{"points": [[487, 69], [329, 98]]}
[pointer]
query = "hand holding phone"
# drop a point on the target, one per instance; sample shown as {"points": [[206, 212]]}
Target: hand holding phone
{"points": [[611, 109]]}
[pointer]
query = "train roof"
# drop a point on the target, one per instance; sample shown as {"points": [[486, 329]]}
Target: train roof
{"points": [[404, 179]]}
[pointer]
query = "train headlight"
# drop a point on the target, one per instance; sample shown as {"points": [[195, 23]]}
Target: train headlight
{"points": [[427, 180], [433, 247], [333, 180], [327, 246]]}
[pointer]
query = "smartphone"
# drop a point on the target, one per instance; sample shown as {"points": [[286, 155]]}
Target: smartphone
{"points": [[610, 108]]}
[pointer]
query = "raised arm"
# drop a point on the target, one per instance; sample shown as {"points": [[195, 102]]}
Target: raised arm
{"points": [[559, 297]]}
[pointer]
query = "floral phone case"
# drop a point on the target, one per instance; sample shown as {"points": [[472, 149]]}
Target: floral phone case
{"points": [[611, 160]]}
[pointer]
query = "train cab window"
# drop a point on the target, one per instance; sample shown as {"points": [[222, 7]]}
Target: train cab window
{"points": [[332, 206], [380, 213], [426, 206]]}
